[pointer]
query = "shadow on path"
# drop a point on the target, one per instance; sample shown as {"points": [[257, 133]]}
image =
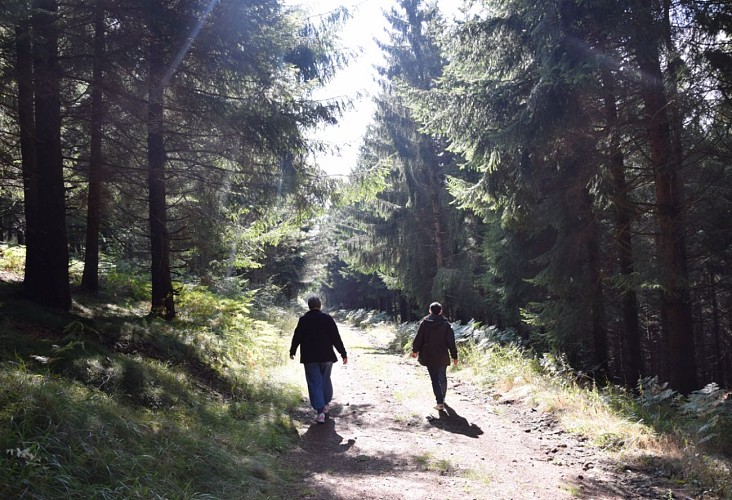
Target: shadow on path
{"points": [[323, 438], [450, 421]]}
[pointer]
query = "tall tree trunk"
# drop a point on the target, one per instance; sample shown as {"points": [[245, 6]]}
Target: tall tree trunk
{"points": [[26, 122], [436, 214], [727, 345], [90, 277], [597, 300], [719, 367], [162, 287], [666, 162], [50, 284], [632, 358]]}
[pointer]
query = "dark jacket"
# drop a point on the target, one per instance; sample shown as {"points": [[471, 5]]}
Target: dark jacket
{"points": [[435, 342], [317, 334]]}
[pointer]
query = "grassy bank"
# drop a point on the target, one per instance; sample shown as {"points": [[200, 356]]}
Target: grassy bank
{"points": [[107, 403]]}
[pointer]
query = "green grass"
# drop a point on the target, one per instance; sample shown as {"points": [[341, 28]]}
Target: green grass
{"points": [[12, 258], [67, 440], [573, 490], [107, 403], [428, 462]]}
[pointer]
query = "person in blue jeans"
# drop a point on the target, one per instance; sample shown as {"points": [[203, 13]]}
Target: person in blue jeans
{"points": [[433, 346], [316, 335]]}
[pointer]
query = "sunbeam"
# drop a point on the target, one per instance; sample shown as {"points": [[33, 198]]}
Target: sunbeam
{"points": [[187, 45]]}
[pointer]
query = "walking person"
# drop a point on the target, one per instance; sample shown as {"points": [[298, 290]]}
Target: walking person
{"points": [[433, 346], [317, 334]]}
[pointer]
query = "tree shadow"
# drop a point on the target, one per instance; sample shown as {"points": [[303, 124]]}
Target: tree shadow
{"points": [[449, 420]]}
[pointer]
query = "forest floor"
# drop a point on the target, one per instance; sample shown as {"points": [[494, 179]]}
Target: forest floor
{"points": [[384, 440]]}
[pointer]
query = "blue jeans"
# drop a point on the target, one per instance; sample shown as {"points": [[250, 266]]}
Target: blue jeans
{"points": [[438, 375], [320, 388]]}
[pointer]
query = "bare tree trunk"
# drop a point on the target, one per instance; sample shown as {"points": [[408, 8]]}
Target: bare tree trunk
{"points": [[90, 277], [719, 367], [632, 359], [597, 301], [727, 344], [26, 122], [50, 284], [162, 287], [666, 163]]}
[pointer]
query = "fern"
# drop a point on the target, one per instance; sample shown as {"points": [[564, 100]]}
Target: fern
{"points": [[710, 412]]}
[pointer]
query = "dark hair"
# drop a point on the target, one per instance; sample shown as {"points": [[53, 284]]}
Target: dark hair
{"points": [[435, 308], [314, 302]]}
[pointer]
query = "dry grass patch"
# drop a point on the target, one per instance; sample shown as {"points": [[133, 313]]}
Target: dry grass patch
{"points": [[654, 437]]}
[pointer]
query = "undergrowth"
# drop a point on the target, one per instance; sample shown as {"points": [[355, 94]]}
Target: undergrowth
{"points": [[106, 402]]}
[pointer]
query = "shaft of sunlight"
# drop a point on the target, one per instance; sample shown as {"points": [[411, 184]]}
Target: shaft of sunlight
{"points": [[187, 44]]}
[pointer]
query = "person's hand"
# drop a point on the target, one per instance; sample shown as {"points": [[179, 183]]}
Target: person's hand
{"points": [[415, 354], [345, 361], [454, 362], [292, 356]]}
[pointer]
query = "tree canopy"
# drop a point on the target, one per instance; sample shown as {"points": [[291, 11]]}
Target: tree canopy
{"points": [[581, 149], [174, 133]]}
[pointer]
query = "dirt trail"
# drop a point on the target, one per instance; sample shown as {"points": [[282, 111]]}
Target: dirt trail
{"points": [[384, 440]]}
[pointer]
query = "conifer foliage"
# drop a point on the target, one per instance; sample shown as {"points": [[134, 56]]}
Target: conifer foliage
{"points": [[593, 139], [158, 132], [406, 232]]}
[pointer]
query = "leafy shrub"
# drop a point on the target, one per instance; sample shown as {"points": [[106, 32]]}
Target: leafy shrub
{"points": [[557, 367], [483, 335]]}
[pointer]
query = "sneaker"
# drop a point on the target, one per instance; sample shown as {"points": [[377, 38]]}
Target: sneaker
{"points": [[326, 409], [440, 407], [320, 419]]}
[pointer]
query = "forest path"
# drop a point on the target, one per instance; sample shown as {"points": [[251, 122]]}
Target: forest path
{"points": [[384, 440]]}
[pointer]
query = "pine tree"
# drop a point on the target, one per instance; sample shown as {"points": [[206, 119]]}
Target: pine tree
{"points": [[410, 234]]}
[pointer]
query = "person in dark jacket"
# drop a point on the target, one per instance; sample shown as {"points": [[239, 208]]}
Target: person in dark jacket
{"points": [[433, 346], [317, 334]]}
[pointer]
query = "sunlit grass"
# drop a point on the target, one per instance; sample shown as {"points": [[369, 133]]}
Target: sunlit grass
{"points": [[428, 461], [586, 412], [12, 258], [106, 402], [480, 476], [573, 490], [411, 393], [581, 410], [408, 419], [610, 418]]}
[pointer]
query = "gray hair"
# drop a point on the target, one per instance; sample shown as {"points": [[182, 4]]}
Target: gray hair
{"points": [[314, 302]]}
